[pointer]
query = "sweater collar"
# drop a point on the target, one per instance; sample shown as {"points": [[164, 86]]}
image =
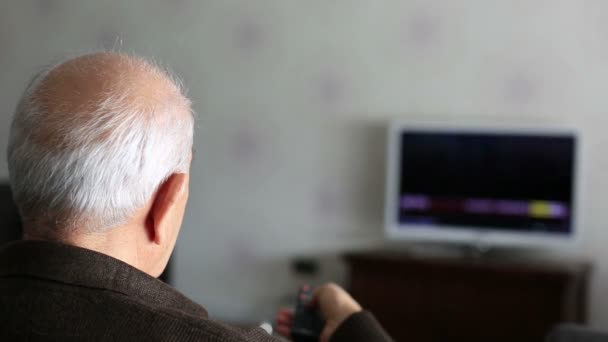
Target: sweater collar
{"points": [[82, 267]]}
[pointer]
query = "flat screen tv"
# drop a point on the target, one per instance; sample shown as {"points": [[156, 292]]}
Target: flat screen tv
{"points": [[484, 183]]}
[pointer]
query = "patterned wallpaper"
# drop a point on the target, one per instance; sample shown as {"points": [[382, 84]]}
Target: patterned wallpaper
{"points": [[292, 97]]}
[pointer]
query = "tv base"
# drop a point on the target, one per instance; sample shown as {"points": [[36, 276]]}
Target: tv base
{"points": [[476, 252]]}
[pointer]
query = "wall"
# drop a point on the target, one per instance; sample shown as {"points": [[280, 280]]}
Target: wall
{"points": [[292, 97]]}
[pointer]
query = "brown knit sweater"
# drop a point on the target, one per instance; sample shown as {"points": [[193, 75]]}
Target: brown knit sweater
{"points": [[56, 292]]}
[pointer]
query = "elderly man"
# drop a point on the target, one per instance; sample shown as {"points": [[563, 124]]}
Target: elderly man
{"points": [[99, 158]]}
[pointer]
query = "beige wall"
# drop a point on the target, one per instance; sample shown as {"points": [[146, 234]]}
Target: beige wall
{"points": [[292, 96]]}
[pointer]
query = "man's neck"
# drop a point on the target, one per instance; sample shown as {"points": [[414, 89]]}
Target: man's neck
{"points": [[120, 242]]}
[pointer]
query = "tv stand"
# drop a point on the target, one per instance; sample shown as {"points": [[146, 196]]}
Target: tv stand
{"points": [[484, 252], [426, 298]]}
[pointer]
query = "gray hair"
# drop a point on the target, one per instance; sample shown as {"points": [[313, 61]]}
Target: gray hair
{"points": [[112, 167]]}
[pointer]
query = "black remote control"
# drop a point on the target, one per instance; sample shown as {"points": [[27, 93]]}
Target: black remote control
{"points": [[307, 323]]}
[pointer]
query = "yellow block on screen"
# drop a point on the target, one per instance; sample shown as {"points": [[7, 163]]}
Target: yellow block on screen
{"points": [[540, 209]]}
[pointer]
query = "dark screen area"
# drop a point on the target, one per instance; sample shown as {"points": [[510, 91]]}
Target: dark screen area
{"points": [[507, 181]]}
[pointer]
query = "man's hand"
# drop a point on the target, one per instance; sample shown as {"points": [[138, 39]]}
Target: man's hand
{"points": [[285, 322], [334, 304]]}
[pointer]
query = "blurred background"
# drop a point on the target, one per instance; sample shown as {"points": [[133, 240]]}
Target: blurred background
{"points": [[293, 97]]}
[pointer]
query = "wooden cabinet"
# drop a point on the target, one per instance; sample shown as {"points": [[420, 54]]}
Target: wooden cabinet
{"points": [[468, 299]]}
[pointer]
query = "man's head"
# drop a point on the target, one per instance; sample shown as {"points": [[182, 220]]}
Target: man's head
{"points": [[99, 152]]}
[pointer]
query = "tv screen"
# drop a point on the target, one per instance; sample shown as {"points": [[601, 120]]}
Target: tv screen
{"points": [[483, 181]]}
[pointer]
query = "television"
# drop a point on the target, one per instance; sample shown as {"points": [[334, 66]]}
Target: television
{"points": [[488, 184]]}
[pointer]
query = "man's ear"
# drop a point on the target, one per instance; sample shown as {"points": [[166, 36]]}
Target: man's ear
{"points": [[166, 205]]}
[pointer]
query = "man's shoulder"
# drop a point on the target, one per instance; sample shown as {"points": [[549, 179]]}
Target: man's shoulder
{"points": [[170, 324], [39, 308], [68, 293]]}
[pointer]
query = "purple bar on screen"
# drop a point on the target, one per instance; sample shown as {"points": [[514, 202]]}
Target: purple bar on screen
{"points": [[559, 210], [415, 202], [479, 206], [516, 208]]}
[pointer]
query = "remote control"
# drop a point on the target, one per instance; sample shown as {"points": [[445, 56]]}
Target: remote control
{"points": [[307, 323]]}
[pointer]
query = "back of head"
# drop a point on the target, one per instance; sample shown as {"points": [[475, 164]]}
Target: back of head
{"points": [[93, 138]]}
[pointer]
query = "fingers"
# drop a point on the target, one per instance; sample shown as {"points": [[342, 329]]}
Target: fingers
{"points": [[334, 304], [285, 321], [285, 316], [284, 331]]}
